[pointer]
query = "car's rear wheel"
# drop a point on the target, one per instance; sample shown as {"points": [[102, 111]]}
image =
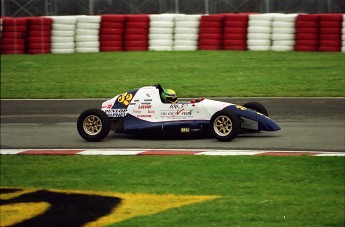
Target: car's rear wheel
{"points": [[93, 125], [225, 125]]}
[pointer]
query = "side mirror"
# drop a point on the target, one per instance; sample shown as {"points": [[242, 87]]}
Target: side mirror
{"points": [[193, 102]]}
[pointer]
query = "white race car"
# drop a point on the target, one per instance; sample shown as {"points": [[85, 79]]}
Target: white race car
{"points": [[141, 111]]}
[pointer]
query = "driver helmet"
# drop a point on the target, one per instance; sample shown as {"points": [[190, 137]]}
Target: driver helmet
{"points": [[169, 96]]}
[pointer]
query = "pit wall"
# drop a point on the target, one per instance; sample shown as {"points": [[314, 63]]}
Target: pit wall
{"points": [[173, 32]]}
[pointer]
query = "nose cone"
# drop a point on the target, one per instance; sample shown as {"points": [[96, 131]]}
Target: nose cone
{"points": [[268, 125], [265, 123]]}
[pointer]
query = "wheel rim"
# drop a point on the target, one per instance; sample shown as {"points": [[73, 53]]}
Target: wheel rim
{"points": [[222, 125], [92, 125]]}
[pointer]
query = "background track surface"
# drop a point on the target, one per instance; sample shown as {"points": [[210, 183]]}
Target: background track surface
{"points": [[311, 124]]}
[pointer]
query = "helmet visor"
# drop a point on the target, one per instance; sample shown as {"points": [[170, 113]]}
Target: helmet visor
{"points": [[171, 99]]}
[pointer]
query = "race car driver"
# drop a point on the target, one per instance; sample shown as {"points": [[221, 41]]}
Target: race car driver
{"points": [[168, 96]]}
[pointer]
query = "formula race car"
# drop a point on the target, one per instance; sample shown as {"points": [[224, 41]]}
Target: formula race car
{"points": [[142, 111]]}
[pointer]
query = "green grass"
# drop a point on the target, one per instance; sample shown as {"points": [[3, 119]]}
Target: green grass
{"points": [[191, 74], [255, 191]]}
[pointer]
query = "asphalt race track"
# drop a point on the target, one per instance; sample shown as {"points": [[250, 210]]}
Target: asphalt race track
{"points": [[308, 124]]}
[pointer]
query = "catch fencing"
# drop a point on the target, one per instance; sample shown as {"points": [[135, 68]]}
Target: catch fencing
{"points": [[21, 8]]}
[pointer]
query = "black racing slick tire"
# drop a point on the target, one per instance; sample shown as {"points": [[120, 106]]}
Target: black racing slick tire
{"points": [[93, 125], [258, 107], [225, 125]]}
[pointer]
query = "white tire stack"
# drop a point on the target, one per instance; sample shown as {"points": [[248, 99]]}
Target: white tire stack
{"points": [[62, 35], [343, 35], [283, 32], [186, 32], [259, 32], [87, 34], [161, 31]]}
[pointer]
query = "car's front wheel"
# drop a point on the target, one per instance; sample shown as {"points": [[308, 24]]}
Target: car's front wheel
{"points": [[225, 125], [258, 107], [93, 125]]}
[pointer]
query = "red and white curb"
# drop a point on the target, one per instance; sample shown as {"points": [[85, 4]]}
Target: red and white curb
{"points": [[127, 152]]}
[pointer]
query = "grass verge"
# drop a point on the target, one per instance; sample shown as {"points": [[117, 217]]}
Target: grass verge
{"points": [[191, 74], [254, 191]]}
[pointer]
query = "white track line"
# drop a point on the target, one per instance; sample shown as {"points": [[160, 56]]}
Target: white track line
{"points": [[127, 152]]}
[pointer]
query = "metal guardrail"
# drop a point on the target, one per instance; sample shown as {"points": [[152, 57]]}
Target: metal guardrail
{"points": [[13, 8]]}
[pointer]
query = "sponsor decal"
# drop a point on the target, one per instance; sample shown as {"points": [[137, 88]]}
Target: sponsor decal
{"points": [[185, 130], [124, 99], [262, 115], [166, 114], [145, 106], [244, 108], [177, 106], [241, 107], [144, 116], [143, 112], [179, 113], [187, 113], [116, 112], [31, 207]]}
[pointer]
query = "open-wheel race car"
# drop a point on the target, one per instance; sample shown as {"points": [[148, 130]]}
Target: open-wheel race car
{"points": [[142, 111]]}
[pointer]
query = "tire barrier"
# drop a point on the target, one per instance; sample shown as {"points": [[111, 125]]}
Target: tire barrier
{"points": [[136, 33], [283, 32], [307, 32], [38, 35], [330, 32], [343, 34], [13, 35], [211, 32], [260, 32], [87, 34], [172, 32], [186, 32], [111, 33], [161, 32], [235, 32], [63, 34]]}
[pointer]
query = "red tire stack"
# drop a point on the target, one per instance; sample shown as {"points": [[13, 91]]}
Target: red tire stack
{"points": [[137, 32], [13, 35], [235, 32], [211, 32], [330, 32], [112, 32], [307, 32], [38, 36]]}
